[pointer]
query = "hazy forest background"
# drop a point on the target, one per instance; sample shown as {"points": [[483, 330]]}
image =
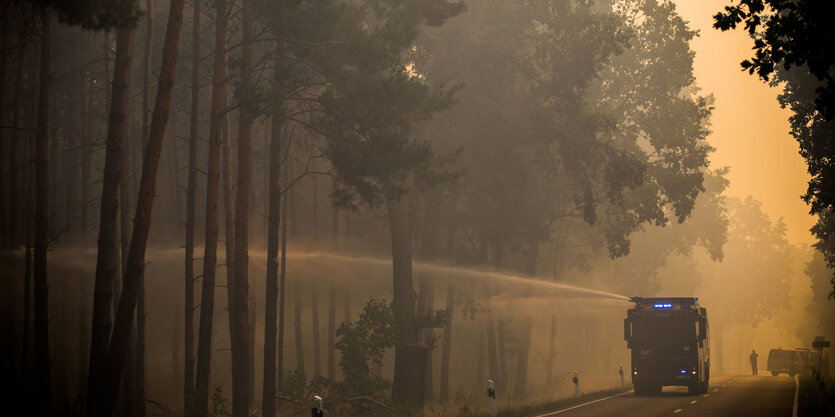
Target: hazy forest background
{"points": [[229, 206]]}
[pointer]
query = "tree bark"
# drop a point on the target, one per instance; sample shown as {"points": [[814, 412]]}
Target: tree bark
{"points": [[139, 369], [332, 333], [410, 354], [550, 362], [531, 256], [480, 362], [42, 360], [189, 383], [14, 215], [229, 223], [297, 325], [253, 311], [428, 336], [335, 229], [117, 354], [447, 344], [107, 258], [86, 156], [240, 286], [27, 268], [216, 131], [315, 209], [520, 387], [81, 348], [317, 352], [273, 223], [430, 226], [501, 338], [492, 356], [282, 288]]}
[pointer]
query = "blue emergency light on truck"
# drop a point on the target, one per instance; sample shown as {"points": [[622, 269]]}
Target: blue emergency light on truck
{"points": [[670, 344]]}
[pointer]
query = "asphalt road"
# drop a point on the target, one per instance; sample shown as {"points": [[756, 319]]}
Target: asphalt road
{"points": [[735, 396]]}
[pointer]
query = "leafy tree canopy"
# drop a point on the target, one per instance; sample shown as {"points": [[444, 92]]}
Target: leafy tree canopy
{"points": [[788, 33]]}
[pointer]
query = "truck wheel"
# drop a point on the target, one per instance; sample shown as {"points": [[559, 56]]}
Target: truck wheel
{"points": [[774, 373], [694, 388]]}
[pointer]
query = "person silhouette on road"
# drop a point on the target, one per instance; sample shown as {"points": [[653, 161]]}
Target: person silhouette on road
{"points": [[753, 360]]}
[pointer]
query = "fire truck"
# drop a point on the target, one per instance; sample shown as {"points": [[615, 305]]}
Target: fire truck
{"points": [[670, 344]]}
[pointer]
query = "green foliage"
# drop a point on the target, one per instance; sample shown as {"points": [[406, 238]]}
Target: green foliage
{"points": [[364, 342], [813, 133], [295, 384], [465, 402], [788, 34], [569, 111], [755, 275], [469, 307], [218, 403], [363, 100]]}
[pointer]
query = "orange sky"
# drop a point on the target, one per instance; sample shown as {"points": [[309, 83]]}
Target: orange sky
{"points": [[750, 130]]}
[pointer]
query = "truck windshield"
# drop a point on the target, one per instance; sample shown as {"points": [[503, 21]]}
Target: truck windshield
{"points": [[669, 329]]}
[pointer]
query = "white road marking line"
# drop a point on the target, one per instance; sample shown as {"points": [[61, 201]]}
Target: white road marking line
{"points": [[715, 389], [677, 411], [693, 402], [705, 396], [725, 385], [796, 391], [583, 404]]}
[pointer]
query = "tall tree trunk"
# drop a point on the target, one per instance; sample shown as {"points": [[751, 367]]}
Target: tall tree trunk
{"points": [[14, 216], [216, 131], [480, 361], [550, 361], [335, 229], [297, 324], [139, 372], [240, 286], [81, 331], [501, 338], [410, 354], [315, 208], [332, 333], [175, 348], [492, 356], [125, 190], [531, 255], [520, 387], [117, 355], [27, 269], [229, 223], [86, 156], [42, 360], [282, 281], [447, 344], [189, 382], [253, 310], [317, 352], [428, 336], [70, 157], [107, 258], [5, 228], [273, 222], [139, 368], [430, 226]]}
